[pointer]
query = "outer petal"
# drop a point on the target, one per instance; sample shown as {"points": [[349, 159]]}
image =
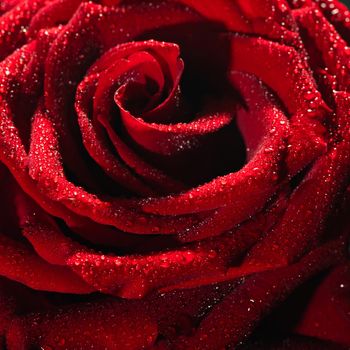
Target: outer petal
{"points": [[328, 314], [234, 318], [102, 325], [20, 263]]}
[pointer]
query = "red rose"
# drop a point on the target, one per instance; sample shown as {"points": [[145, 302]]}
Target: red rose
{"points": [[174, 174]]}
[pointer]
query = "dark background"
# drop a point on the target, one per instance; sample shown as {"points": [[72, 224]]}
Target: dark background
{"points": [[346, 2]]}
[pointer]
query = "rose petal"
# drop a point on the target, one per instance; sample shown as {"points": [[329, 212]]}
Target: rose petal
{"points": [[45, 167], [328, 314], [21, 264], [107, 324], [234, 318]]}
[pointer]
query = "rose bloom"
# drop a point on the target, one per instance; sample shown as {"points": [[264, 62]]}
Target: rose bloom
{"points": [[174, 174]]}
